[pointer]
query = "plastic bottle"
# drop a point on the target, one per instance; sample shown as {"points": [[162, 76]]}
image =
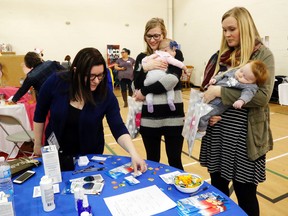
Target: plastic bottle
{"points": [[6, 187], [78, 198], [47, 193], [85, 207], [85, 213]]}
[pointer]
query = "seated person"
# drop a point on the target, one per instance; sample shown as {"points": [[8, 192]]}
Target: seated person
{"points": [[37, 72], [246, 78], [166, 52]]}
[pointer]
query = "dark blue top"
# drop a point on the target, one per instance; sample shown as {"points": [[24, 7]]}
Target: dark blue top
{"points": [[54, 97], [36, 77]]}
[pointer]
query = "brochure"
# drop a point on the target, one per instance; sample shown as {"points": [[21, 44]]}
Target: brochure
{"points": [[205, 204]]}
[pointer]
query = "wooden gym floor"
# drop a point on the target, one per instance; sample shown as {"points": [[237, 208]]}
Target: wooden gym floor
{"points": [[272, 194]]}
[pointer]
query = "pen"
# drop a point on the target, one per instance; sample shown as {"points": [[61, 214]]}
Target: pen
{"points": [[196, 192]]}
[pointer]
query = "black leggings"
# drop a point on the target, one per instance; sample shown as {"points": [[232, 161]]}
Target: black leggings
{"points": [[245, 193], [173, 145]]}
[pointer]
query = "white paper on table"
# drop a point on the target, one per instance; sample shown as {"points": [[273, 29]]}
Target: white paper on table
{"points": [[168, 178], [98, 158], [37, 190], [142, 202]]}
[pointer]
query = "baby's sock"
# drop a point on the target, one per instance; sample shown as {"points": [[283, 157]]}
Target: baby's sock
{"points": [[171, 105], [150, 108], [200, 134]]}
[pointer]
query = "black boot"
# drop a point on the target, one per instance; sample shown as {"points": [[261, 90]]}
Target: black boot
{"points": [[124, 96], [130, 93]]}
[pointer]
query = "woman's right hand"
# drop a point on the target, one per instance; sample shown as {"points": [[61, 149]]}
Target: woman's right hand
{"points": [[153, 64], [214, 119]]}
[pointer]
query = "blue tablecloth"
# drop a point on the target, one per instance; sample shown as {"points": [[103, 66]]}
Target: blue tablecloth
{"points": [[26, 205]]}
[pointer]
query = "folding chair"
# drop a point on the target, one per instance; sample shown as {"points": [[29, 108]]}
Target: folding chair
{"points": [[19, 137], [185, 78]]}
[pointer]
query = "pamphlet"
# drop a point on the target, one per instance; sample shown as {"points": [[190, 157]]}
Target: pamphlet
{"points": [[205, 204], [121, 170]]}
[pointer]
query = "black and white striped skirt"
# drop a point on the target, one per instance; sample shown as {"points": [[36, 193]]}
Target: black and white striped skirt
{"points": [[223, 149]]}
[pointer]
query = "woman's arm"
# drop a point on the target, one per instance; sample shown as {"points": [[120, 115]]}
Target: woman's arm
{"points": [[38, 136], [118, 68], [121, 133], [127, 144], [28, 82]]}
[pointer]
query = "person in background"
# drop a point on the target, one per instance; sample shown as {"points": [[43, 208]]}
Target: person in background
{"points": [[77, 101], [37, 71], [234, 149], [124, 66], [40, 52], [67, 62], [163, 121]]}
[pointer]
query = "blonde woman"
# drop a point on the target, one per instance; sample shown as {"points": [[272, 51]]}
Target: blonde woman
{"points": [[234, 148]]}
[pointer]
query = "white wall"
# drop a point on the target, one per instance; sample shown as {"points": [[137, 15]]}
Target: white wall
{"points": [[197, 26], [27, 24]]}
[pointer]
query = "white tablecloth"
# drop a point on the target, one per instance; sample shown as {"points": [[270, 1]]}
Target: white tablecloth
{"points": [[18, 111], [283, 93]]}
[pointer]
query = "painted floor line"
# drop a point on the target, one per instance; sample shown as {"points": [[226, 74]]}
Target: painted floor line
{"points": [[281, 138], [276, 173], [189, 164], [274, 158], [110, 149]]}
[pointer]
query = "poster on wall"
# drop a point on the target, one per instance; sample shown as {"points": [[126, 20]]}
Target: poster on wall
{"points": [[113, 53]]}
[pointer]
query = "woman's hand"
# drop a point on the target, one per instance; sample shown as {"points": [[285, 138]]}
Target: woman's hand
{"points": [[214, 119], [138, 95], [153, 64], [138, 164], [211, 93], [37, 149]]}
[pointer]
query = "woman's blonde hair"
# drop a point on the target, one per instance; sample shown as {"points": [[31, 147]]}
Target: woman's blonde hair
{"points": [[248, 36], [153, 23]]}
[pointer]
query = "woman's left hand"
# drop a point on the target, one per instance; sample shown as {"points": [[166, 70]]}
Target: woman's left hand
{"points": [[211, 93]]}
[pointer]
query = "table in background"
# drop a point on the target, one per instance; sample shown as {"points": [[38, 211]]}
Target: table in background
{"points": [[19, 112], [28, 100], [24, 203], [283, 93]]}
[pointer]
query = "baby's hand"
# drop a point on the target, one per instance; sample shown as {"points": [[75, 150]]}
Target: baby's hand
{"points": [[238, 104], [212, 81]]}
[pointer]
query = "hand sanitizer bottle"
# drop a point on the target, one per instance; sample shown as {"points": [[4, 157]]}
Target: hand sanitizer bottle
{"points": [[47, 193], [85, 207]]}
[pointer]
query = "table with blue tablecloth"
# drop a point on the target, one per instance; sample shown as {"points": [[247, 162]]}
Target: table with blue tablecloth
{"points": [[26, 205]]}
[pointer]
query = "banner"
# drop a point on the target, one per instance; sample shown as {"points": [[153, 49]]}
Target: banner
{"points": [[113, 53]]}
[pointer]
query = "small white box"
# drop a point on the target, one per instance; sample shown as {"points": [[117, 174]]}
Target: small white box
{"points": [[51, 163]]}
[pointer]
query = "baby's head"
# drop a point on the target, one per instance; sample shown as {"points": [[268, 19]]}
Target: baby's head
{"points": [[260, 71], [254, 71], [169, 46]]}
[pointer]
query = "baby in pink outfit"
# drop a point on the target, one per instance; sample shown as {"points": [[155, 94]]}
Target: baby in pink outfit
{"points": [[166, 53]]}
